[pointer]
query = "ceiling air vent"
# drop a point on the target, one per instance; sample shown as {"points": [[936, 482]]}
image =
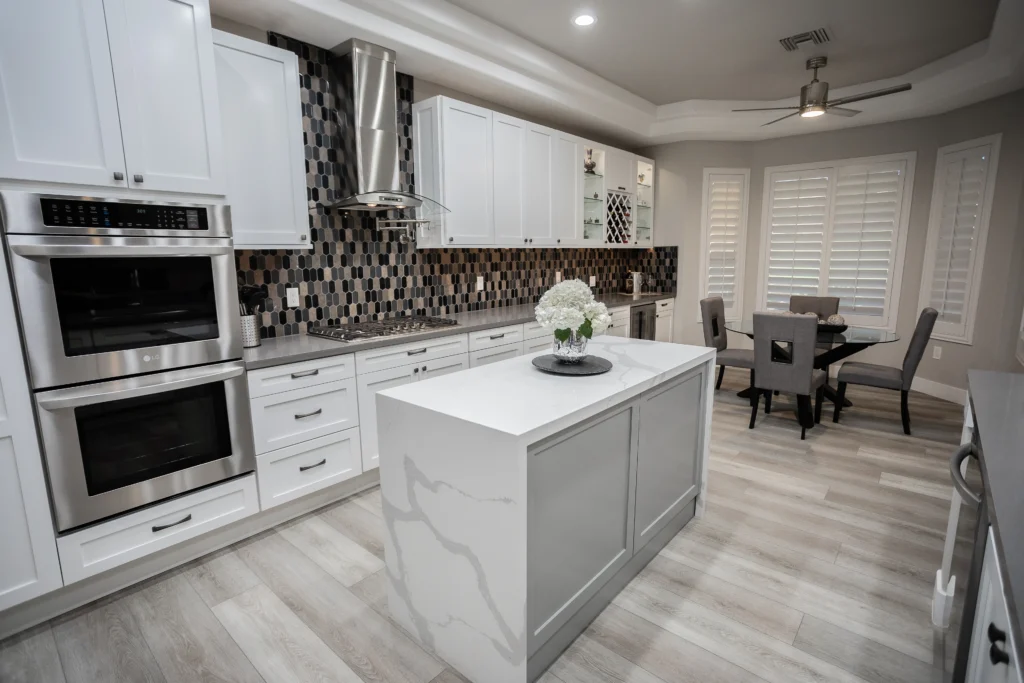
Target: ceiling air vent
{"points": [[817, 36]]}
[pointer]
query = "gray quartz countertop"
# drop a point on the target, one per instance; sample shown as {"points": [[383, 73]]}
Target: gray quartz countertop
{"points": [[997, 402], [300, 347]]}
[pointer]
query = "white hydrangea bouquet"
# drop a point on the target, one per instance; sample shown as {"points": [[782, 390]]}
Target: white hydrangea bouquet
{"points": [[569, 310]]}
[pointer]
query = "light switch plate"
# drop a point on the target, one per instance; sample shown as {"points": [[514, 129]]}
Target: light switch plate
{"points": [[593, 280], [292, 297], [479, 282], [937, 352], [558, 276]]}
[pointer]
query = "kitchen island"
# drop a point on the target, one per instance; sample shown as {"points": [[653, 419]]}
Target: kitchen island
{"points": [[517, 503]]}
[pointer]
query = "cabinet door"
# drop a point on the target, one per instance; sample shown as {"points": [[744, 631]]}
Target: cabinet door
{"points": [[58, 111], [444, 366], [620, 171], [467, 149], [663, 328], [28, 563], [671, 419], [540, 144], [567, 190], [509, 176], [266, 176], [164, 72], [991, 612], [494, 355], [367, 387]]}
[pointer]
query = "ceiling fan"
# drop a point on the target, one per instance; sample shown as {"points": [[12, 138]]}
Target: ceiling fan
{"points": [[814, 97]]}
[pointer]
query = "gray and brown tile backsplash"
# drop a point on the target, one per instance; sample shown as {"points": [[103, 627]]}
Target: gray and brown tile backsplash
{"points": [[355, 272]]}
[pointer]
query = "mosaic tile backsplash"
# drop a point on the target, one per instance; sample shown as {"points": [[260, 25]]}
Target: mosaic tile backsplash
{"points": [[355, 272]]}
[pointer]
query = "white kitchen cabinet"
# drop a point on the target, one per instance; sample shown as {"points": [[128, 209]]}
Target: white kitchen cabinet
{"points": [[539, 344], [165, 75], [494, 354], [643, 203], [28, 564], [58, 114], [992, 620], [466, 182], [567, 190], [260, 104], [137, 102], [620, 171], [299, 470], [509, 176], [619, 326], [663, 322], [537, 198], [292, 417]]}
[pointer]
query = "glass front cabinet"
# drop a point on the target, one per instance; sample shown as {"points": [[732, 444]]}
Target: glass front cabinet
{"points": [[618, 198]]}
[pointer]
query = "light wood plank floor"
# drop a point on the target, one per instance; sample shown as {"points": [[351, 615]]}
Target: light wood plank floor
{"points": [[814, 563]]}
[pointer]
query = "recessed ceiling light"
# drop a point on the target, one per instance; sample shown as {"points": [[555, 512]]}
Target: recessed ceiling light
{"points": [[584, 19]]}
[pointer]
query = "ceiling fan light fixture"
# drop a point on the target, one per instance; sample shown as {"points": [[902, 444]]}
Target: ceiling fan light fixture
{"points": [[812, 110], [584, 19]]}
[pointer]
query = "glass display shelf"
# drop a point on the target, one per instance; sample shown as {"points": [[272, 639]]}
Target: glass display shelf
{"points": [[642, 185], [592, 200], [592, 175]]}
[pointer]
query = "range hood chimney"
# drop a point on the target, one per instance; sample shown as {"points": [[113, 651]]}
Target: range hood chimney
{"points": [[363, 80]]}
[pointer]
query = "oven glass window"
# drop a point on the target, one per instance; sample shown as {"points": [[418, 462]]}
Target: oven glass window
{"points": [[128, 441], [112, 304]]}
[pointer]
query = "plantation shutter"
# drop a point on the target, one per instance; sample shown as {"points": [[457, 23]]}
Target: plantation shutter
{"points": [[957, 207], [725, 229], [798, 205], [866, 207]]}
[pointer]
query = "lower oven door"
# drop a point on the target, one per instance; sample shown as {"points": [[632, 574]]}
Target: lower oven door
{"points": [[95, 308], [115, 446]]}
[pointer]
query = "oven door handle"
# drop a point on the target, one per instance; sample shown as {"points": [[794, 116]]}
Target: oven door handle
{"points": [[89, 247], [135, 387], [959, 483]]}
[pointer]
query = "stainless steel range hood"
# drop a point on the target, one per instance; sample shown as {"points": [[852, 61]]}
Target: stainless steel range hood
{"points": [[363, 80]]}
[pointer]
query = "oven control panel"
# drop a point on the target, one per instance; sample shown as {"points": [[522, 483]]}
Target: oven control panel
{"points": [[98, 214]]}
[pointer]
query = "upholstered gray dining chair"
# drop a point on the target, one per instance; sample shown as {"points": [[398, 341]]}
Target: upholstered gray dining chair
{"points": [[784, 362], [884, 377], [712, 312], [824, 306]]}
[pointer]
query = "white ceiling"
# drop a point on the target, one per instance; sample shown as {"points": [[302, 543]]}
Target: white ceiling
{"points": [[671, 50], [632, 85]]}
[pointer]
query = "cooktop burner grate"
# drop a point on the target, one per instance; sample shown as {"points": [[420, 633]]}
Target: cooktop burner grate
{"points": [[388, 327]]}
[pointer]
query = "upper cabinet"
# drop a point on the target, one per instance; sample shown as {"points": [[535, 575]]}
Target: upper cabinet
{"points": [[137, 102], [266, 175], [510, 182], [643, 202]]}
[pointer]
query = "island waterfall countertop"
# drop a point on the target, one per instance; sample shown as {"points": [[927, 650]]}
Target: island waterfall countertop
{"points": [[299, 347]]}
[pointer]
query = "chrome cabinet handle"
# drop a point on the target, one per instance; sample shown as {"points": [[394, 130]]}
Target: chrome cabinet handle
{"points": [[118, 175], [308, 373], [138, 177], [416, 352], [161, 527], [959, 484], [498, 336], [312, 414], [303, 468]]}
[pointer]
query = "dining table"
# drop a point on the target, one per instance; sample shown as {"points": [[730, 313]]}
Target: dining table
{"points": [[840, 345]]}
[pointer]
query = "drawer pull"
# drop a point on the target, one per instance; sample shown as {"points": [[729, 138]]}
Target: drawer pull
{"points": [[161, 527], [997, 656], [416, 352], [665, 304], [315, 465], [308, 373], [312, 414], [498, 336], [996, 634]]}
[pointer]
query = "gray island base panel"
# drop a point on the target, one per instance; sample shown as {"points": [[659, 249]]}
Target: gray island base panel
{"points": [[518, 504]]}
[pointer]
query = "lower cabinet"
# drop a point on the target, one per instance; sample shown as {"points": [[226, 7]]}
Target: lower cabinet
{"points": [[544, 343], [619, 326], [993, 653], [495, 354], [296, 471], [292, 417]]}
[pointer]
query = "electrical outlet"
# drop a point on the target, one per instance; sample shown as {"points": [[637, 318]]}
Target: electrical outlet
{"points": [[292, 296], [479, 282], [937, 352], [558, 276], [593, 280]]}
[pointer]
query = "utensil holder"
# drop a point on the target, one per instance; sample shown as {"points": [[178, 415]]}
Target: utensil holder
{"points": [[250, 331]]}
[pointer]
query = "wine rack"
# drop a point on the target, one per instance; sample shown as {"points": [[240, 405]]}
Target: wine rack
{"points": [[619, 218]]}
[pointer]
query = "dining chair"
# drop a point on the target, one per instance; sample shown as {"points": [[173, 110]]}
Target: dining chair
{"points": [[824, 306], [885, 377], [784, 362], [712, 312]]}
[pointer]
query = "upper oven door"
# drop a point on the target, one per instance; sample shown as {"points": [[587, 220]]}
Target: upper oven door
{"points": [[96, 308]]}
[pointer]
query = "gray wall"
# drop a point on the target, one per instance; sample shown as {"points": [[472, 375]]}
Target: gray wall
{"points": [[678, 205]]}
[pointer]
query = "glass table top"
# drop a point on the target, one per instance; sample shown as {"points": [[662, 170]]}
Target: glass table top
{"points": [[852, 335]]}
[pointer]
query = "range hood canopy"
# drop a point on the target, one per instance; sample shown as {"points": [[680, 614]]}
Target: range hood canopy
{"points": [[362, 76]]}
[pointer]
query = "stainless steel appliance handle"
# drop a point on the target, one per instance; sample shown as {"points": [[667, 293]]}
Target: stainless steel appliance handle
{"points": [[161, 527], [304, 468], [959, 484], [316, 412], [135, 387], [111, 247]]}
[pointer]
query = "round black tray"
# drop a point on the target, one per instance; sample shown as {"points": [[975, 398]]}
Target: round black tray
{"points": [[591, 365], [835, 329]]}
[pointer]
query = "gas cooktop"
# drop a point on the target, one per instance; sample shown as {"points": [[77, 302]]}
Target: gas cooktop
{"points": [[389, 327]]}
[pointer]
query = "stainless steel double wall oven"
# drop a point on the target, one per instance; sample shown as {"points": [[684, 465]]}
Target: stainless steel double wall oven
{"points": [[129, 319]]}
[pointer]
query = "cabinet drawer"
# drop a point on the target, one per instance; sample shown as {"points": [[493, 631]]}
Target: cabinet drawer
{"points": [[295, 471], [281, 420], [409, 354], [621, 313], [498, 336], [534, 330], [498, 353], [115, 542], [293, 376], [665, 305], [540, 344]]}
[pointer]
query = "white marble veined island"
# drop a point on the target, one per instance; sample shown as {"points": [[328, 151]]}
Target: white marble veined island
{"points": [[518, 503]]}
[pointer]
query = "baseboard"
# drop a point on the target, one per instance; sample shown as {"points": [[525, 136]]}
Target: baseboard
{"points": [[50, 605], [925, 386]]}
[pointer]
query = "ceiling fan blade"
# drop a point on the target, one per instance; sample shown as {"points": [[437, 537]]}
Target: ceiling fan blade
{"points": [[841, 111], [868, 95], [777, 120], [768, 109]]}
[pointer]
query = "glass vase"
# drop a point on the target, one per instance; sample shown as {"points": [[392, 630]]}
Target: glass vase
{"points": [[572, 350]]}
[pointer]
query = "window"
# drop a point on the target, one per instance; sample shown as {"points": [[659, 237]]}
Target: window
{"points": [[723, 236], [837, 229], [957, 232]]}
